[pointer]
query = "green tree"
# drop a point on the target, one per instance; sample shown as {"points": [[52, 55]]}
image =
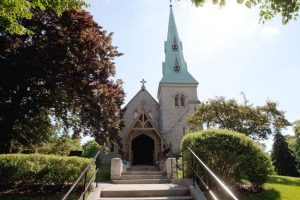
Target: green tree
{"points": [[64, 70], [58, 146], [288, 9], [257, 122], [296, 125], [90, 149], [12, 11], [283, 160]]}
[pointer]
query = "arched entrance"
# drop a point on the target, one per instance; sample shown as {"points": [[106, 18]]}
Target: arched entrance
{"points": [[143, 148]]}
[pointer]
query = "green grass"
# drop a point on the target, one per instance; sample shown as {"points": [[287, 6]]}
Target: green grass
{"points": [[278, 188]]}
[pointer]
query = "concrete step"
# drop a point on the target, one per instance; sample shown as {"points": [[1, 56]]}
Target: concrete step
{"points": [[143, 173], [150, 198], [143, 168], [145, 190], [142, 176], [142, 181]]}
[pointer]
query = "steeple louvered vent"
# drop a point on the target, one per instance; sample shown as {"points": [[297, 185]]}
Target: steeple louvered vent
{"points": [[174, 45], [176, 66]]}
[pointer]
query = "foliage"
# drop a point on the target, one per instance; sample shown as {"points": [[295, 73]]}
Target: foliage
{"points": [[294, 142], [277, 187], [103, 176], [90, 149], [231, 155], [36, 169], [268, 8], [257, 122], [58, 146], [64, 70], [11, 11], [296, 125], [39, 196], [282, 158]]}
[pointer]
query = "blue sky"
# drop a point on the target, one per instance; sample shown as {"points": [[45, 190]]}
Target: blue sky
{"points": [[226, 49]]}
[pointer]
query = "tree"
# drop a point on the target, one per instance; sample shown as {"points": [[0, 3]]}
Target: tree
{"points": [[65, 71], [296, 125], [11, 11], [268, 8], [257, 122], [282, 158], [58, 146], [90, 149]]}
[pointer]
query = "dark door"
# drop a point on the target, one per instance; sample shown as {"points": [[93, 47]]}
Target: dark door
{"points": [[143, 150]]}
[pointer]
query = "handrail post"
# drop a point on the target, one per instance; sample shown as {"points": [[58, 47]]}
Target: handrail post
{"points": [[193, 173], [84, 184], [182, 160], [84, 175], [98, 169], [171, 167]]}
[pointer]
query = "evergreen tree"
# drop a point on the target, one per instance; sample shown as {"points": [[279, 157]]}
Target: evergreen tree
{"points": [[282, 158]]}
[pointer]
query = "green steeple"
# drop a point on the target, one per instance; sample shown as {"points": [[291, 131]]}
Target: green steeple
{"points": [[174, 67]]}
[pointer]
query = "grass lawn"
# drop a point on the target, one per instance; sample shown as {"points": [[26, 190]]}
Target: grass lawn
{"points": [[278, 188]]}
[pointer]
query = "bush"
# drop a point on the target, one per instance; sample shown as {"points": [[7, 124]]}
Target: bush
{"points": [[36, 169], [231, 155]]}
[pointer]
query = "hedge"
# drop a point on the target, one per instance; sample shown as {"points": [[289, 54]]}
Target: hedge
{"points": [[37, 169], [231, 155]]}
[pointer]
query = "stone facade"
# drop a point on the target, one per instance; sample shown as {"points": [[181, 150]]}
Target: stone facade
{"points": [[173, 117], [152, 129]]}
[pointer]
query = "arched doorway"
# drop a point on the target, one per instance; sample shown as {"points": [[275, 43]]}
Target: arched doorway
{"points": [[142, 150]]}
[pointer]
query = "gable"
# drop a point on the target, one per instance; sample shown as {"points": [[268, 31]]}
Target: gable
{"points": [[142, 102]]}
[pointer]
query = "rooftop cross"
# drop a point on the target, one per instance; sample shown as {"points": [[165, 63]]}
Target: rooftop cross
{"points": [[143, 83], [170, 3]]}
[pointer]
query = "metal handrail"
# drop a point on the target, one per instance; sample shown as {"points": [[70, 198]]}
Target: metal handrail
{"points": [[215, 177], [84, 174]]}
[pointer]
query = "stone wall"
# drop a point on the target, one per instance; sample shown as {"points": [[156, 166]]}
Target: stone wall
{"points": [[173, 118]]}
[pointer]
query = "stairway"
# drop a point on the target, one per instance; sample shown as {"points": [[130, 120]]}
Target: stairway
{"points": [[145, 183]]}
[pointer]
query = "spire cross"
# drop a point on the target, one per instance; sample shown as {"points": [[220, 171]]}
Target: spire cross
{"points": [[170, 3], [143, 83]]}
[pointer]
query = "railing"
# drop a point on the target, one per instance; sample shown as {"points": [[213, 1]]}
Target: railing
{"points": [[87, 180], [202, 176]]}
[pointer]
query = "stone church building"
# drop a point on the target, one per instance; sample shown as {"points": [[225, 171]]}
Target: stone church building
{"points": [[153, 128]]}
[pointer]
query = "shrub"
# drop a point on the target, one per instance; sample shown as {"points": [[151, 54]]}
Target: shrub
{"points": [[231, 155], [37, 169]]}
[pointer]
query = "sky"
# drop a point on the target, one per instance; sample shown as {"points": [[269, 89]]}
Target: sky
{"points": [[226, 49]]}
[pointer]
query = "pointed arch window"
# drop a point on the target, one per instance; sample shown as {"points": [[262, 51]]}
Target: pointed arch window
{"points": [[182, 100], [174, 45], [177, 100], [176, 66]]}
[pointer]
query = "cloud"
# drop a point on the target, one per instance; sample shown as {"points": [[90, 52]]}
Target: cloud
{"points": [[213, 28], [270, 32]]}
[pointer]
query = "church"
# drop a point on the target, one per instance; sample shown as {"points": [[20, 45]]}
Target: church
{"points": [[154, 128]]}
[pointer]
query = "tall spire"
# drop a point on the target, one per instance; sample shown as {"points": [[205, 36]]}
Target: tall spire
{"points": [[174, 67]]}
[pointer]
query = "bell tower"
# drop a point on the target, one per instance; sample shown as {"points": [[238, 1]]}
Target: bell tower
{"points": [[177, 91]]}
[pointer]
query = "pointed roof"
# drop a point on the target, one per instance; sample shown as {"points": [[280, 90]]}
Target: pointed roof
{"points": [[174, 67]]}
